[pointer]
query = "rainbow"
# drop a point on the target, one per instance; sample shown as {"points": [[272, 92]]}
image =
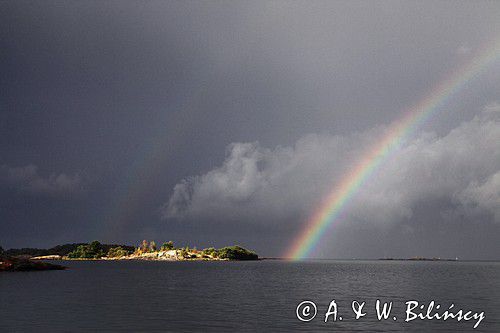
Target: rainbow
{"points": [[330, 211]]}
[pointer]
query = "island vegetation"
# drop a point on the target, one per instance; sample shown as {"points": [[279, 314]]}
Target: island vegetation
{"points": [[147, 250], [167, 251]]}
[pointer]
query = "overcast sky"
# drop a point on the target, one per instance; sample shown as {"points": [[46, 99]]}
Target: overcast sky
{"points": [[222, 122]]}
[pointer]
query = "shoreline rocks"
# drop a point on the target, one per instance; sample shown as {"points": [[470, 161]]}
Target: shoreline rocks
{"points": [[24, 265], [49, 257]]}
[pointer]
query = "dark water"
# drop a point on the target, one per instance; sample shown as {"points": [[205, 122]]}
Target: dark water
{"points": [[242, 296]]}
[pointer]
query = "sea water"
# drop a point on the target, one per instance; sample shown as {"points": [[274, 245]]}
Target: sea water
{"points": [[254, 296]]}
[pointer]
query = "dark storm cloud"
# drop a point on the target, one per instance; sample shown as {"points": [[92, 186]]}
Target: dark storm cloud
{"points": [[137, 95], [27, 179]]}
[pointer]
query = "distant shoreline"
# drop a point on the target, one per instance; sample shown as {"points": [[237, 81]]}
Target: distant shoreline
{"points": [[419, 259], [380, 259]]}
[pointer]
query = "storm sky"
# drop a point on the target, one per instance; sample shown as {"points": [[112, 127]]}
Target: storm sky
{"points": [[227, 122]]}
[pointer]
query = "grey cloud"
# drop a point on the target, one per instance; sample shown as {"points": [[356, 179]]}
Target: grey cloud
{"points": [[261, 185], [27, 179], [484, 196]]}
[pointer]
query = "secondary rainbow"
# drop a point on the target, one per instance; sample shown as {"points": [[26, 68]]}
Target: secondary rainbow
{"points": [[335, 203]]}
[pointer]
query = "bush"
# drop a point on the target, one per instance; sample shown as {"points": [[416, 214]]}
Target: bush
{"points": [[237, 253], [210, 252], [116, 252]]}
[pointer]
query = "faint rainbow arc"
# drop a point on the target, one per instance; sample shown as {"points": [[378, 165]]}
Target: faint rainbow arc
{"points": [[335, 202]]}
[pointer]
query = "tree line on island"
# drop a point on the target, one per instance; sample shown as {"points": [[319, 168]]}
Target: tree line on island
{"points": [[95, 250], [146, 250]]}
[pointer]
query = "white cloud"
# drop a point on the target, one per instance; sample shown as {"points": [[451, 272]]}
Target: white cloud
{"points": [[27, 179], [261, 185]]}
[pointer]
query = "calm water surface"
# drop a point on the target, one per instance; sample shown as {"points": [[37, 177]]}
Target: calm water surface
{"points": [[242, 296]]}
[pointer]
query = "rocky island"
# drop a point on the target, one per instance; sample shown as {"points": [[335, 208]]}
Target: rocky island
{"points": [[18, 264], [145, 251]]}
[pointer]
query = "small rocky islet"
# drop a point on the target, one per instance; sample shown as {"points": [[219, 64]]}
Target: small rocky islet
{"points": [[8, 264], [30, 259]]}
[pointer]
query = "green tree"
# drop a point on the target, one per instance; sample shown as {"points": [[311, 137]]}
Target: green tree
{"points": [[167, 246], [118, 251], [96, 249], [152, 246], [88, 251], [95, 246]]}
